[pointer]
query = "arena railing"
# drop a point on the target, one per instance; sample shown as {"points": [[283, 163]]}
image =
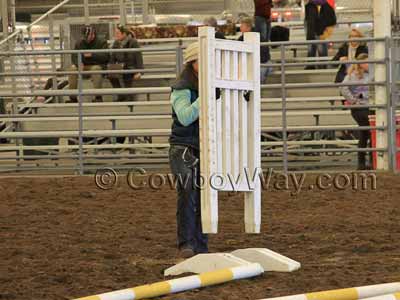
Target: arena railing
{"points": [[156, 157], [284, 87]]}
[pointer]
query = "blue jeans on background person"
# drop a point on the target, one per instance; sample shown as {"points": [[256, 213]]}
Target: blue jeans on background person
{"points": [[322, 50], [264, 73], [263, 26], [185, 164]]}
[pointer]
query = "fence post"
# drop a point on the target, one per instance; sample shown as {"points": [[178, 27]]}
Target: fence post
{"points": [[394, 100], [382, 29], [86, 11], [80, 110], [53, 57], [179, 59], [122, 10], [284, 111], [391, 113]]}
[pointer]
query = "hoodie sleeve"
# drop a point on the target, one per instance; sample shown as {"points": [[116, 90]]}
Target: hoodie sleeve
{"points": [[346, 91], [134, 59], [186, 111]]}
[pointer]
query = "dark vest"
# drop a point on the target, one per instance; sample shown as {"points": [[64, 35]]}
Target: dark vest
{"points": [[185, 135]]}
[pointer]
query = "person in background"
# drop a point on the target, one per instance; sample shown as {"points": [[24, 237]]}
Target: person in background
{"points": [[212, 22], [349, 51], [246, 25], [262, 17], [359, 95], [184, 155], [126, 61], [320, 19], [90, 61]]}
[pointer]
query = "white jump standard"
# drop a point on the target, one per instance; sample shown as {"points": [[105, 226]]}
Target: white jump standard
{"points": [[230, 127]]}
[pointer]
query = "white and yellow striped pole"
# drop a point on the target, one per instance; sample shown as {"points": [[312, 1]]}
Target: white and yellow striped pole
{"points": [[395, 296], [181, 284], [356, 293]]}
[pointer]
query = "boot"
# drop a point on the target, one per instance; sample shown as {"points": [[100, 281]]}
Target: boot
{"points": [[361, 161]]}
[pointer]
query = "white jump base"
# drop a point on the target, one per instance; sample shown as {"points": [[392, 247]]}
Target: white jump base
{"points": [[269, 261]]}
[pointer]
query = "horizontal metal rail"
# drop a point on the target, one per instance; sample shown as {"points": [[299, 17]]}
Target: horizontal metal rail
{"points": [[323, 128], [89, 92], [326, 150], [55, 52], [329, 62], [160, 90], [144, 156], [316, 42], [166, 132], [306, 111], [318, 85], [65, 73], [162, 146]]}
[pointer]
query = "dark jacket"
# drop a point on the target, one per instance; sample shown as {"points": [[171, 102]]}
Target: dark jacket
{"points": [[317, 22], [220, 35], [263, 8], [265, 55], [131, 60], [96, 58], [344, 51], [185, 135]]}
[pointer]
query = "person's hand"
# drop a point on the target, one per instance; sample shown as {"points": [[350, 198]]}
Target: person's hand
{"points": [[343, 58], [137, 76], [87, 55], [217, 93], [247, 95]]}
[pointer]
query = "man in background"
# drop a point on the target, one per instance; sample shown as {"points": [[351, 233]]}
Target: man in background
{"points": [[212, 22], [246, 25], [320, 20], [90, 61], [262, 17]]}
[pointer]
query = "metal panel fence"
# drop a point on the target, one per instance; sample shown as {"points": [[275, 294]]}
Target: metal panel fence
{"points": [[87, 136]]}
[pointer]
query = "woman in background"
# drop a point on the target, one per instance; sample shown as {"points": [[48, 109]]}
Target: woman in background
{"points": [[349, 51], [359, 95]]}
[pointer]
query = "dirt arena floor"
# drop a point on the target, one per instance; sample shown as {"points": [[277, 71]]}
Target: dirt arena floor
{"points": [[63, 237]]}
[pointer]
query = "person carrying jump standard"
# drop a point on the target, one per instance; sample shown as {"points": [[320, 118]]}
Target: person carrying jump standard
{"points": [[184, 156]]}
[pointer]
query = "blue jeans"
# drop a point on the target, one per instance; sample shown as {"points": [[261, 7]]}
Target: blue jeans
{"points": [[321, 48], [264, 73], [185, 164], [263, 26]]}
